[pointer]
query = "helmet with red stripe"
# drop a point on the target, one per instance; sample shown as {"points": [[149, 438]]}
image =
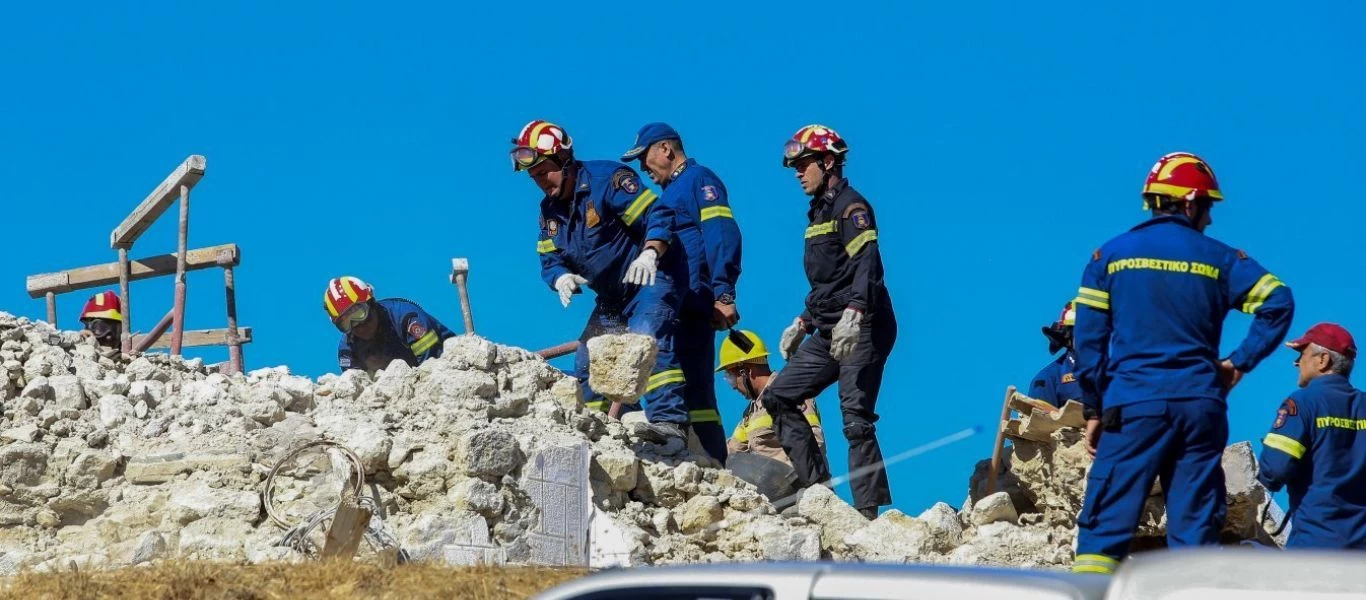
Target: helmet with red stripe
{"points": [[104, 305], [343, 293], [814, 139], [1181, 176], [541, 140]]}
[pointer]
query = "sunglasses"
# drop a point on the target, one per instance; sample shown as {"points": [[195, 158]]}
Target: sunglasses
{"points": [[354, 316]]}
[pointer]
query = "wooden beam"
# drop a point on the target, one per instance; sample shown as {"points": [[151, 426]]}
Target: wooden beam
{"points": [[200, 337], [225, 255], [142, 217]]}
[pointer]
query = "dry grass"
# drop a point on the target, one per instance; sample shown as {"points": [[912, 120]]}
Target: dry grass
{"points": [[197, 579]]}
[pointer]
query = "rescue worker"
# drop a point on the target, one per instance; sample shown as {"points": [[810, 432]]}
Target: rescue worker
{"points": [[1150, 313], [709, 239], [1057, 382], [849, 318], [375, 332], [1317, 445], [600, 227], [749, 374], [103, 318]]}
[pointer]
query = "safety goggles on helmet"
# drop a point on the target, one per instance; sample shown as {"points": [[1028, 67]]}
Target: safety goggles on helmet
{"points": [[354, 316], [524, 158], [794, 150]]}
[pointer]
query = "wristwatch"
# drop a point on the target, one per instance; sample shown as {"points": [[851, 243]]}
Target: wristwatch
{"points": [[726, 298]]}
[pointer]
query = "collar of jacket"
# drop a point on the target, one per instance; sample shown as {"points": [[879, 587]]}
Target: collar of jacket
{"points": [[1178, 219], [681, 168], [1331, 380], [831, 192]]}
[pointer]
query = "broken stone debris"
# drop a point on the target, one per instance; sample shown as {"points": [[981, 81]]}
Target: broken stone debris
{"points": [[484, 456], [620, 364]]}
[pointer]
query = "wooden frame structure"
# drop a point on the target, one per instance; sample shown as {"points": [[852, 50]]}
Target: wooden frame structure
{"points": [[175, 186]]}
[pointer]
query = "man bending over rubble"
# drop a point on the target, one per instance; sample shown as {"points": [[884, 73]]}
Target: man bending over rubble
{"points": [[375, 332], [602, 228], [749, 374], [1317, 445]]}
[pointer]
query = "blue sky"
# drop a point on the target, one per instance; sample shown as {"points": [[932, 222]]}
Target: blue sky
{"points": [[999, 144]]}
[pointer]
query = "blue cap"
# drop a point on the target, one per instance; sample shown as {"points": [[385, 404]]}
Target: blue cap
{"points": [[649, 134]]}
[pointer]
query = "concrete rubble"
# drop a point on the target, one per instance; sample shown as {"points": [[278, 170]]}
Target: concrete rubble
{"points": [[484, 456]]}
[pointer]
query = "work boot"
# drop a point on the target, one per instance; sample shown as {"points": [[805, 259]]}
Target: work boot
{"points": [[660, 433], [869, 513]]}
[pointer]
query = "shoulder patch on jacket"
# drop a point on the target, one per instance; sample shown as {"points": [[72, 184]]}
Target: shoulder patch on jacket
{"points": [[1287, 409], [1095, 255], [709, 193], [626, 181], [414, 326], [1242, 255]]}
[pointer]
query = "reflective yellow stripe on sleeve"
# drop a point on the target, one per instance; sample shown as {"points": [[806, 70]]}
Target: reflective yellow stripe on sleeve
{"points": [[423, 343], [1285, 444], [664, 378], [1093, 298], [820, 229], [638, 206], [859, 242], [1261, 292], [716, 212], [545, 246], [598, 405], [706, 415]]}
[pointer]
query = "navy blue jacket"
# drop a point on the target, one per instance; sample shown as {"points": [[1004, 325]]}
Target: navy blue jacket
{"points": [[707, 232], [405, 331], [1057, 382], [842, 260], [603, 228], [1316, 448], [1151, 309]]}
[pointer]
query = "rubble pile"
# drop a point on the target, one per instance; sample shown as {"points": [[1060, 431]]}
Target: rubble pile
{"points": [[485, 455]]}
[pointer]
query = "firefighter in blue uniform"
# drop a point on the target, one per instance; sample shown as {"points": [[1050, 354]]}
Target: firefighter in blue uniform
{"points": [[602, 228], [375, 332], [1057, 382], [1317, 445], [849, 318], [709, 238], [1150, 314]]}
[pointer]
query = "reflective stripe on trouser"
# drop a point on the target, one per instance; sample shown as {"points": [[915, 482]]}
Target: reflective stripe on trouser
{"points": [[696, 345], [650, 311], [1179, 442], [810, 372]]}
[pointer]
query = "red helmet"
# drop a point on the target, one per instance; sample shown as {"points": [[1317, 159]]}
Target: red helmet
{"points": [[538, 141], [814, 139], [104, 305], [1183, 176], [345, 294]]}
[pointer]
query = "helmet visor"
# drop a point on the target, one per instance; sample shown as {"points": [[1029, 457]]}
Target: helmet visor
{"points": [[525, 158], [353, 316]]}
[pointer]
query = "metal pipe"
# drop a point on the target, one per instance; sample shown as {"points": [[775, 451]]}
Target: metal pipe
{"points": [[460, 283], [178, 333], [558, 351], [52, 309], [156, 332], [234, 343], [124, 268]]}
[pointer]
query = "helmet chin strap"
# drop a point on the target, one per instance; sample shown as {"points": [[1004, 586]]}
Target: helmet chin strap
{"points": [[746, 386]]}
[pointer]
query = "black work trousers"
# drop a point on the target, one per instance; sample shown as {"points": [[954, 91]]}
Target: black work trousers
{"points": [[809, 372]]}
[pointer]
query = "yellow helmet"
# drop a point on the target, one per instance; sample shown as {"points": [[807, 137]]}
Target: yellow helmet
{"points": [[731, 354]]}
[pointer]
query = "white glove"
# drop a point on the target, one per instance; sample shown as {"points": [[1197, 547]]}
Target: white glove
{"points": [[642, 269], [792, 338], [845, 336], [566, 285]]}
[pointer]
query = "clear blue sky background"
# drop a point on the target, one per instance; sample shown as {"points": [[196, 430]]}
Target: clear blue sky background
{"points": [[999, 142]]}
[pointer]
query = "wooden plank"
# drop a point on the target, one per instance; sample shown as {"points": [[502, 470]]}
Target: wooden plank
{"points": [[200, 337], [347, 530], [188, 174], [70, 280]]}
